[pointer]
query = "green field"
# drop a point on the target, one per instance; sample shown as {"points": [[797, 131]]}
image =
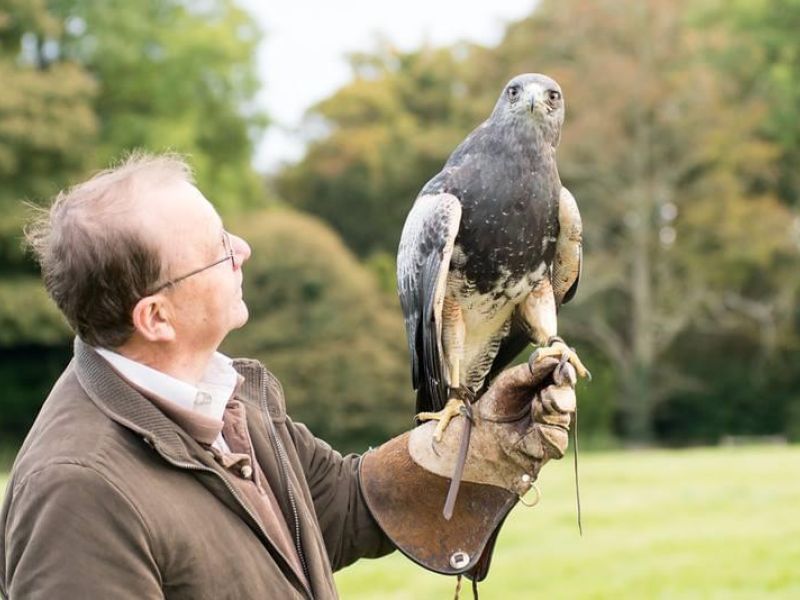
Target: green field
{"points": [[711, 523]]}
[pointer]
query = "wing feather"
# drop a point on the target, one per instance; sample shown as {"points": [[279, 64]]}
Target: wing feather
{"points": [[568, 260], [423, 262]]}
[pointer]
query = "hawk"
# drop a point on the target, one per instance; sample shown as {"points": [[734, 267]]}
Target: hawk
{"points": [[489, 251]]}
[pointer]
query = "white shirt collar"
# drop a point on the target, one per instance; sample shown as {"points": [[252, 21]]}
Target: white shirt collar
{"points": [[208, 398]]}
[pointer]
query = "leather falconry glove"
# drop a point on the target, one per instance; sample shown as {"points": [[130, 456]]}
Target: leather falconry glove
{"points": [[520, 423]]}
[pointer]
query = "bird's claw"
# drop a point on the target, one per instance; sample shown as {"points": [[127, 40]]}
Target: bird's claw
{"points": [[565, 373], [453, 408], [466, 411], [533, 359], [565, 355]]}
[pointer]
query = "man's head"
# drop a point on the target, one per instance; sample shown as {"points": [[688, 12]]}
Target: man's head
{"points": [[115, 251]]}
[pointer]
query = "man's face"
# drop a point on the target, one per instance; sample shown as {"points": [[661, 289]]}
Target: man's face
{"points": [[189, 232]]}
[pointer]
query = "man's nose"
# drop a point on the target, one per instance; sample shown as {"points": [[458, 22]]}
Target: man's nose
{"points": [[241, 250]]}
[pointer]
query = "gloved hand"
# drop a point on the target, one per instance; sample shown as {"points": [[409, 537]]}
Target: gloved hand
{"points": [[520, 423]]}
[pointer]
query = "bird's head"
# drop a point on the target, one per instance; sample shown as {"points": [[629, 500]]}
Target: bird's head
{"points": [[534, 101]]}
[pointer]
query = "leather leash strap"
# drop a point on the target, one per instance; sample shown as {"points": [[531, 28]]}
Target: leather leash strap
{"points": [[461, 460]]}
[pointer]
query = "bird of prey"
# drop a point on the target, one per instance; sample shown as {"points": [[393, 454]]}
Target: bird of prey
{"points": [[490, 250]]}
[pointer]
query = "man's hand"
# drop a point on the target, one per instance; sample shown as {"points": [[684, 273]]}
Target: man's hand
{"points": [[520, 423]]}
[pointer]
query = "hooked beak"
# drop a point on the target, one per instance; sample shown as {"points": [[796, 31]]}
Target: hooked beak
{"points": [[536, 99]]}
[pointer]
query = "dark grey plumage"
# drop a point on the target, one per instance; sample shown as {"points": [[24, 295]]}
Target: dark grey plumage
{"points": [[480, 237]]}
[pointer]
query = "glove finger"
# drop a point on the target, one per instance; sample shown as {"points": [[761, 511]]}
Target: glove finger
{"points": [[516, 387], [559, 398], [533, 374]]}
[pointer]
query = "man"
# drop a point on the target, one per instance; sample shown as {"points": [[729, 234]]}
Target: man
{"points": [[158, 467]]}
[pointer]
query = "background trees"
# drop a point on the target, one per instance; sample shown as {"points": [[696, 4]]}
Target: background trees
{"points": [[320, 323], [681, 145], [83, 82], [679, 167]]}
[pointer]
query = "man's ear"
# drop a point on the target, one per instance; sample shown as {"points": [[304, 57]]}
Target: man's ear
{"points": [[152, 319]]}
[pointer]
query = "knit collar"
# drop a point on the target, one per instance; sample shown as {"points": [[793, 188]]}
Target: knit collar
{"points": [[126, 405], [198, 409]]}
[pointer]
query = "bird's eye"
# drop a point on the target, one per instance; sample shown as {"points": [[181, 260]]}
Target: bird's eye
{"points": [[554, 96], [513, 93]]}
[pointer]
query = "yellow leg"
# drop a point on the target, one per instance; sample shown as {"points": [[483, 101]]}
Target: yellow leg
{"points": [[559, 349], [453, 408], [453, 333]]}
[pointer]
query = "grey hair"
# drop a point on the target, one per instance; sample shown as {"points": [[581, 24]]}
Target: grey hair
{"points": [[95, 266]]}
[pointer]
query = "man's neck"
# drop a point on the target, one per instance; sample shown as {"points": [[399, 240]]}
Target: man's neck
{"points": [[179, 363]]}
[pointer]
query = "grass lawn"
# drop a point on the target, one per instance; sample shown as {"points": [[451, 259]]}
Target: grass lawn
{"points": [[706, 523], [718, 523]]}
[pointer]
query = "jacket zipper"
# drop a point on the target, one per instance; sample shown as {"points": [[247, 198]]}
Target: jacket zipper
{"points": [[284, 471], [234, 493]]}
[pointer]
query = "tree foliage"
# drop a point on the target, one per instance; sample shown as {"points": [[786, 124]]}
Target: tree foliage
{"points": [[83, 83], [387, 132], [677, 171], [681, 144], [764, 59], [173, 75], [48, 127], [319, 321]]}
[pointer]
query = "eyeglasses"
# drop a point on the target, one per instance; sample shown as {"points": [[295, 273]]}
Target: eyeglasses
{"points": [[229, 255]]}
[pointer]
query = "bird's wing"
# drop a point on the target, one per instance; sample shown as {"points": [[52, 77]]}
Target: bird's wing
{"points": [[423, 262], [568, 259]]}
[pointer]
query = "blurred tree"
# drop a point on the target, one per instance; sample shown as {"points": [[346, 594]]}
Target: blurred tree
{"points": [[173, 75], [764, 59], [659, 150], [48, 130], [385, 134], [84, 82], [685, 236], [320, 322], [48, 123]]}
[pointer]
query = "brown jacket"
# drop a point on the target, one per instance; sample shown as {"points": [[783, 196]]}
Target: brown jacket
{"points": [[109, 498]]}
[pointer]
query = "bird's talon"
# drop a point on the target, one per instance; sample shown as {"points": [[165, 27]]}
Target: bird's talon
{"points": [[453, 408], [565, 375], [433, 447], [466, 413], [564, 353], [532, 359]]}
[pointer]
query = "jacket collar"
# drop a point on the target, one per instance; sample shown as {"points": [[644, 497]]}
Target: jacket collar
{"points": [[122, 403], [125, 405]]}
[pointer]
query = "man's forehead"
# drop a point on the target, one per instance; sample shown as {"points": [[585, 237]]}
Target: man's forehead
{"points": [[179, 200], [179, 215]]}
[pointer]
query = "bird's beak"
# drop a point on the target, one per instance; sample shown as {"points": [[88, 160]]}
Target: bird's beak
{"points": [[535, 98]]}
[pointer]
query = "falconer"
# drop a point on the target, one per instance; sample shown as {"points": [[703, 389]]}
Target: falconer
{"points": [[160, 468]]}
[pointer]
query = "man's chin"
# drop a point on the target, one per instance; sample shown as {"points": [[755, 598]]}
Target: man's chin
{"points": [[244, 315], [239, 317]]}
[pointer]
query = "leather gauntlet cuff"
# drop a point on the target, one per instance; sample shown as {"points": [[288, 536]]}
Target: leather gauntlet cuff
{"points": [[406, 501]]}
